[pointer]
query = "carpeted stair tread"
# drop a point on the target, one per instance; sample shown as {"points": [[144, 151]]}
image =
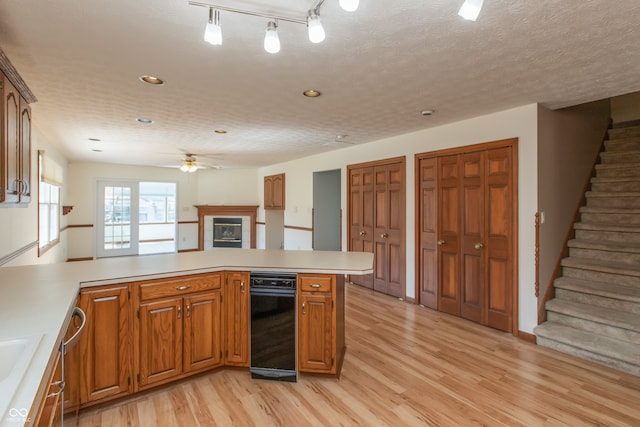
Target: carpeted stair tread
{"points": [[607, 179], [602, 289], [595, 343], [619, 194], [602, 245], [606, 227], [611, 210], [602, 266], [608, 316]]}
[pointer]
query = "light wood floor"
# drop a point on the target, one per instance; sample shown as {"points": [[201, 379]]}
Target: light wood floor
{"points": [[405, 366]]}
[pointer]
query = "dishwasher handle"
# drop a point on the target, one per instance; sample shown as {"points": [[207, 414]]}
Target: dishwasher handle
{"points": [[77, 311]]}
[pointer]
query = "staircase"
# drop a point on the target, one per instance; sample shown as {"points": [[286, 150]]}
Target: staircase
{"points": [[595, 314]]}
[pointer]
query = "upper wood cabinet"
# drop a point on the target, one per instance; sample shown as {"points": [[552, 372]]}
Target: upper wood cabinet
{"points": [[274, 192], [238, 315], [15, 143]]}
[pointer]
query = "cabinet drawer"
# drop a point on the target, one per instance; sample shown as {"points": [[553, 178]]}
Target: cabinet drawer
{"points": [[315, 283], [178, 286]]}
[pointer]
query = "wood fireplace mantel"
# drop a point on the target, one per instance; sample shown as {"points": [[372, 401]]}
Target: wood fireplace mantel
{"points": [[221, 210]]}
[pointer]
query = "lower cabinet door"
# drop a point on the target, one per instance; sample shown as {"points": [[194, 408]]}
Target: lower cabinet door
{"points": [[238, 314], [315, 333], [160, 341], [105, 345], [202, 332]]}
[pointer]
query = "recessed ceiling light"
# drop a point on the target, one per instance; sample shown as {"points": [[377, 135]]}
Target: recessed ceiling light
{"points": [[95, 139], [427, 112], [311, 93], [152, 80], [143, 120], [220, 131]]}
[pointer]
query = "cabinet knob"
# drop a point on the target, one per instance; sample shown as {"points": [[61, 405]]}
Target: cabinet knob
{"points": [[363, 233], [384, 235], [479, 246], [441, 242]]}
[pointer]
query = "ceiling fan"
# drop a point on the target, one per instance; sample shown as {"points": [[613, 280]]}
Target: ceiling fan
{"points": [[190, 164]]}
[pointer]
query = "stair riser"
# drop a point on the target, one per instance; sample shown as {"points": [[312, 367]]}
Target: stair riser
{"points": [[619, 172], [598, 301], [628, 258], [613, 157], [622, 144], [599, 276], [608, 236], [624, 132], [594, 327], [616, 186], [610, 218], [584, 354], [613, 202]]}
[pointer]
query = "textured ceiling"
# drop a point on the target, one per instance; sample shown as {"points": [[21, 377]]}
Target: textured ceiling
{"points": [[377, 69]]}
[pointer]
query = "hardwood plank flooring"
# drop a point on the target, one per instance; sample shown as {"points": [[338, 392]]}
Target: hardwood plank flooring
{"points": [[405, 366]]}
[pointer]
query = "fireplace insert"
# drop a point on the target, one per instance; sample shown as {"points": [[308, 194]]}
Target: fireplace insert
{"points": [[227, 232]]}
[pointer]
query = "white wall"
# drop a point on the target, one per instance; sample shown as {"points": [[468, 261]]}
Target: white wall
{"points": [[519, 122], [212, 187], [19, 227]]}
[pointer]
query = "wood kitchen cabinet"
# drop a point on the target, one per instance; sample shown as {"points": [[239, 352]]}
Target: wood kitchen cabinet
{"points": [[50, 411], [105, 345], [321, 340], [179, 328], [274, 186], [15, 143], [238, 312]]}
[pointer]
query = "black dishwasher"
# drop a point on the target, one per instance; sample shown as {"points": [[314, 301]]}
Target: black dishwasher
{"points": [[273, 326]]}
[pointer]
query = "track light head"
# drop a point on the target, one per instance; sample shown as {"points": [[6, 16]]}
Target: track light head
{"points": [[314, 27], [471, 9], [271, 39], [213, 31], [349, 5]]}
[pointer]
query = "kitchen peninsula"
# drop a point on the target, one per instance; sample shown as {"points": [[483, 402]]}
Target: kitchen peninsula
{"points": [[36, 303]]}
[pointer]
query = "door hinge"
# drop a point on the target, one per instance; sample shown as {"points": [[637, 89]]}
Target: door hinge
{"points": [[331, 304], [128, 380], [128, 294], [138, 312], [138, 378], [332, 361]]}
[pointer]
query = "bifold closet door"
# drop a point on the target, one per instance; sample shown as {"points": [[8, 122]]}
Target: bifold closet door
{"points": [[361, 203]]}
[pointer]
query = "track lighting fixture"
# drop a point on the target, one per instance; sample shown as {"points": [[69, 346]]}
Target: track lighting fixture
{"points": [[314, 27], [213, 31], [349, 5], [271, 39], [471, 9]]}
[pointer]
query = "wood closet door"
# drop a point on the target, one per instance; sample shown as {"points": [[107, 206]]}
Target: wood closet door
{"points": [[449, 234], [428, 229], [500, 241], [472, 275], [388, 229], [361, 198]]}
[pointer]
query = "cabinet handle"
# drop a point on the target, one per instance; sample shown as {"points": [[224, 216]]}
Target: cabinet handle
{"points": [[183, 288], [179, 311], [315, 285], [60, 385], [242, 287], [303, 309], [188, 310], [441, 242]]}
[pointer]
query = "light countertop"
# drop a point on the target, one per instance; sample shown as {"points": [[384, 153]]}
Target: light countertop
{"points": [[37, 300]]}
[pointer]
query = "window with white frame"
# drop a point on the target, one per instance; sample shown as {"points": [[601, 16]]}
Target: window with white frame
{"points": [[48, 210]]}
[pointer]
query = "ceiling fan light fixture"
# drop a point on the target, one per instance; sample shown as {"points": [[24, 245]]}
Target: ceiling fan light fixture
{"points": [[271, 39], [314, 27], [349, 5], [188, 165], [213, 31], [470, 9]]}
